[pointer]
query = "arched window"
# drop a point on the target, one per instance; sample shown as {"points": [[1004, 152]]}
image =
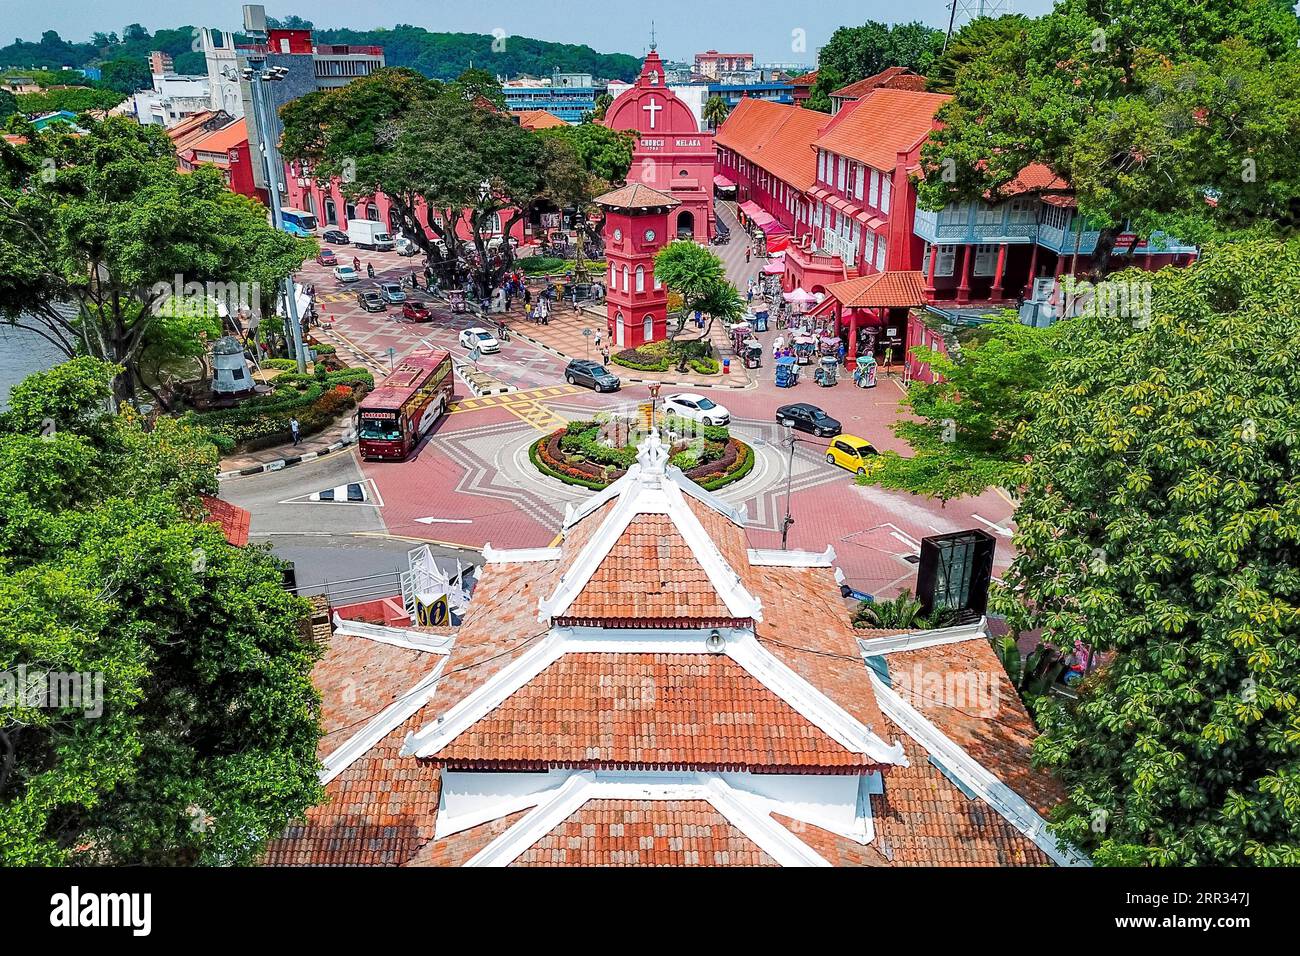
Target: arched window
{"points": [[613, 276], [648, 328], [640, 278], [625, 279], [331, 213]]}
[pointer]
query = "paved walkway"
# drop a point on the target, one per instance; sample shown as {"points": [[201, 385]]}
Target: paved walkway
{"points": [[316, 444]]}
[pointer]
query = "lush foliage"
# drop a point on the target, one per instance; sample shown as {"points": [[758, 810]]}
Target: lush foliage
{"points": [[205, 745], [967, 433], [1159, 524], [74, 99], [855, 53], [1164, 116], [104, 221]]}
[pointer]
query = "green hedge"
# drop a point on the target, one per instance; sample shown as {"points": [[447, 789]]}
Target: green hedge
{"points": [[745, 467], [534, 455]]}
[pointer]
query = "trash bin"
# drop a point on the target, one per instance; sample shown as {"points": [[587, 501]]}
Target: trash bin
{"points": [[726, 366]]}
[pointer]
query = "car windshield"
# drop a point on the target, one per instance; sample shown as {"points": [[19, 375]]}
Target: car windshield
{"points": [[599, 370], [706, 403], [484, 336], [345, 270]]}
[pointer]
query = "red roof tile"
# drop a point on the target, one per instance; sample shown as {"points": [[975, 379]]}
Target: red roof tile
{"points": [[538, 119], [776, 137], [232, 519], [647, 711], [891, 78], [635, 196], [880, 290], [645, 833], [650, 572], [884, 123]]}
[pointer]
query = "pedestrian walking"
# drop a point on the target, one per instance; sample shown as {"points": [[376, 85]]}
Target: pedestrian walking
{"points": [[293, 429], [749, 295], [749, 250]]}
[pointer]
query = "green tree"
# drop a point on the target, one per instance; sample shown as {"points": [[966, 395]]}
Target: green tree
{"points": [[201, 743], [968, 426], [828, 81], [1159, 524], [602, 104], [125, 75], [715, 111], [74, 99], [1167, 115], [980, 38], [105, 223], [8, 105], [699, 277], [856, 53], [475, 82], [605, 153]]}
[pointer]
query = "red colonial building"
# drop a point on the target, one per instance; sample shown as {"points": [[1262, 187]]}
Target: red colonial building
{"points": [[672, 154], [636, 227]]}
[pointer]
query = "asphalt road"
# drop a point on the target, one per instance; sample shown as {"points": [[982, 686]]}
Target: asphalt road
{"points": [[338, 548]]}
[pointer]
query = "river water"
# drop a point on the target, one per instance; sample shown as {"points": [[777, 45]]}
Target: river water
{"points": [[21, 354]]}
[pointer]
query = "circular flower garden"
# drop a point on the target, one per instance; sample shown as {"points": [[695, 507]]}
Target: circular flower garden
{"points": [[594, 453]]}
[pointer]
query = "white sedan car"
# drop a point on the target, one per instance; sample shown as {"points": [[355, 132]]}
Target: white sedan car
{"points": [[346, 274], [481, 339], [698, 408]]}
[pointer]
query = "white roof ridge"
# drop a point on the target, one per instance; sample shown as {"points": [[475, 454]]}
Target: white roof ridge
{"points": [[493, 555], [983, 782], [777, 558], [916, 640], [649, 488], [381, 725], [557, 805], [406, 637]]}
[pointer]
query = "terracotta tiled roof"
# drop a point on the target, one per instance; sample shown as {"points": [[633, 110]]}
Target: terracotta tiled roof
{"points": [[647, 711], [878, 127], [815, 636], [457, 849], [500, 625], [804, 79], [1036, 177], [891, 78], [538, 119], [378, 812], [635, 196], [650, 572], [776, 137], [645, 833], [232, 519], [922, 819], [222, 140], [880, 290], [999, 736]]}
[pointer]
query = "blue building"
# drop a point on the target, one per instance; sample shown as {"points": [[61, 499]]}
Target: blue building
{"points": [[733, 93], [568, 95]]}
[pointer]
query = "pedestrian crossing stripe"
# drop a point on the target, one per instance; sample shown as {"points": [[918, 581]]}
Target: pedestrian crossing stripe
{"points": [[513, 398], [354, 491]]}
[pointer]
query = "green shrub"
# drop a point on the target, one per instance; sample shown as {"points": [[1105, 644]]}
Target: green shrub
{"points": [[285, 365], [685, 460], [706, 365]]}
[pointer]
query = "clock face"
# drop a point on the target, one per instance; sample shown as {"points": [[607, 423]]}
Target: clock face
{"points": [[649, 235], [618, 234]]}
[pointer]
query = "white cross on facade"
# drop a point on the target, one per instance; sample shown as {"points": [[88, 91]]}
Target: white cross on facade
{"points": [[652, 108]]}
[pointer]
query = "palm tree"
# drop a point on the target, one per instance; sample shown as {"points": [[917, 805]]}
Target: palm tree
{"points": [[715, 111], [903, 613]]}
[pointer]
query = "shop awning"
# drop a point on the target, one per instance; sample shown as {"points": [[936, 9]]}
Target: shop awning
{"points": [[778, 242], [884, 290], [756, 213], [722, 182]]}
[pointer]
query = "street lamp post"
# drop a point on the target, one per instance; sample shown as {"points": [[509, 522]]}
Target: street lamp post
{"points": [[256, 74], [654, 400], [789, 476]]}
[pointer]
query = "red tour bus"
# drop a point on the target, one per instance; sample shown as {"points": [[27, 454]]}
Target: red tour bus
{"points": [[394, 417]]}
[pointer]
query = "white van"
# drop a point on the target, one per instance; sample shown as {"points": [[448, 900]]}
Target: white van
{"points": [[365, 234]]}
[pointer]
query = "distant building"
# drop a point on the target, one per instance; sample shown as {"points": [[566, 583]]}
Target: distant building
{"points": [[711, 63], [537, 119], [217, 139], [733, 93], [803, 85], [893, 78], [565, 95], [173, 97]]}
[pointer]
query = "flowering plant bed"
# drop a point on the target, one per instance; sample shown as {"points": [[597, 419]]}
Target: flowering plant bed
{"points": [[577, 455]]}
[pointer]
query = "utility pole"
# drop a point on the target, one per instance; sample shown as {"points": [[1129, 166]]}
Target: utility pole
{"points": [[256, 74], [789, 476]]}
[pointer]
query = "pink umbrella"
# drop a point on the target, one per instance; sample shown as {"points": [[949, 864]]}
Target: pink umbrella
{"points": [[799, 296], [774, 268]]}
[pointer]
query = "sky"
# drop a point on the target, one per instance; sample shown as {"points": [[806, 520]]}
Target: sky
{"points": [[771, 29]]}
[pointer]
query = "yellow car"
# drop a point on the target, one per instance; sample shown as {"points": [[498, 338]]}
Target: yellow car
{"points": [[851, 452]]}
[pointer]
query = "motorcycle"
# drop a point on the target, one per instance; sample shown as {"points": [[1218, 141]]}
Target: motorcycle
{"points": [[503, 332]]}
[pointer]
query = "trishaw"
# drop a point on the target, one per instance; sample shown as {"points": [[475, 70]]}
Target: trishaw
{"points": [[787, 372], [457, 299], [759, 321], [805, 347], [864, 376], [751, 353], [828, 345], [739, 333], [828, 371]]}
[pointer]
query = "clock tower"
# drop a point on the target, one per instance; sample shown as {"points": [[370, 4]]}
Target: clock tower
{"points": [[636, 226]]}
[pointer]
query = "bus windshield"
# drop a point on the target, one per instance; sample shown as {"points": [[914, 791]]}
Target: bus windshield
{"points": [[299, 217], [381, 429]]}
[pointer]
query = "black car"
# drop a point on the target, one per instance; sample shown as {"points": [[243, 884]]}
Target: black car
{"points": [[371, 301], [335, 236], [592, 375], [808, 418]]}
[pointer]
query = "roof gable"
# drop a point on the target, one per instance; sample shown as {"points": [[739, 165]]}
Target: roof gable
{"points": [[884, 123]]}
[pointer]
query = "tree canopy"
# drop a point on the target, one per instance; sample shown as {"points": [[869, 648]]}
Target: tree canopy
{"points": [[855, 53], [193, 737], [1164, 116], [105, 223], [1159, 524]]}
